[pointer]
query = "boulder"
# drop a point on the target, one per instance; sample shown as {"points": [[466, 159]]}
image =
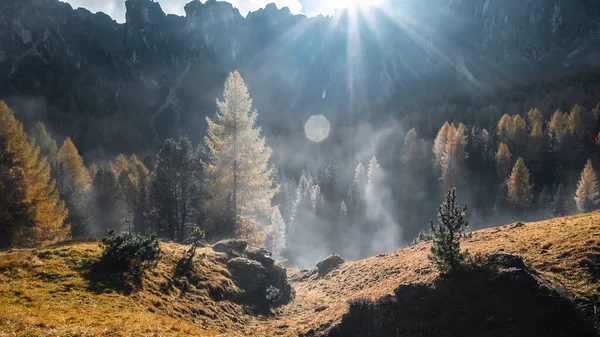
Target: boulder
{"points": [[261, 285], [329, 263], [261, 255], [507, 261], [231, 247], [250, 275]]}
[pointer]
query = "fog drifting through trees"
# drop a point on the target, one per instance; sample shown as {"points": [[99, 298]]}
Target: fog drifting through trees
{"points": [[356, 190]]}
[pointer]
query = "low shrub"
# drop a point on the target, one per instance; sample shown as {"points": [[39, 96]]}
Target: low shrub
{"points": [[129, 253]]}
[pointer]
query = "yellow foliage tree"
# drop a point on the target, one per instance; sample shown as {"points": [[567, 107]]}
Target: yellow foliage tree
{"points": [[454, 156], [439, 145], [33, 214], [503, 126], [582, 123], [73, 181], [535, 117], [72, 162], [238, 178], [121, 164], [558, 126], [586, 196], [503, 160], [519, 185]]}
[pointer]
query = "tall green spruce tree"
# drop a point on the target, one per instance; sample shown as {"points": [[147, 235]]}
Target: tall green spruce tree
{"points": [[452, 225], [176, 189]]}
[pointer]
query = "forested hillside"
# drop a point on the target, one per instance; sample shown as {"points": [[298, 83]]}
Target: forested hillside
{"points": [[525, 167]]}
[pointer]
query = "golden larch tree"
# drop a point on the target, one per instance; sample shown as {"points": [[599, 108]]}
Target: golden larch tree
{"points": [[121, 164], [582, 123], [439, 145], [504, 126], [558, 126], [239, 181], [519, 185], [586, 196], [503, 160], [73, 181], [453, 157], [72, 162], [534, 116], [33, 214]]}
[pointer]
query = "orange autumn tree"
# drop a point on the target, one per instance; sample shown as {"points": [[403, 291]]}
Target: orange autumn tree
{"points": [[450, 154], [586, 196], [519, 186], [74, 183], [503, 160], [31, 212]]}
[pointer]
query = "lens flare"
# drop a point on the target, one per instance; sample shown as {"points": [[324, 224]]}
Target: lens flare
{"points": [[317, 128]]}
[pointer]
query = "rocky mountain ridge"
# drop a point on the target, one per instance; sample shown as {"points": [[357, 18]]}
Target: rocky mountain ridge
{"points": [[107, 84]]}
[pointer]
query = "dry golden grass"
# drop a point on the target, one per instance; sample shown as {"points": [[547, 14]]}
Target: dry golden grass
{"points": [[44, 292]]}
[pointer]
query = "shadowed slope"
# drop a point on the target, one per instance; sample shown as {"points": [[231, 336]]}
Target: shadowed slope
{"points": [[44, 291]]}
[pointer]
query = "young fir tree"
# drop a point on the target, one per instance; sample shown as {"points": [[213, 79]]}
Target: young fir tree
{"points": [[519, 186], [42, 139], [445, 252], [238, 165], [586, 196], [74, 183], [356, 193], [343, 218], [375, 176], [31, 212], [277, 233]]}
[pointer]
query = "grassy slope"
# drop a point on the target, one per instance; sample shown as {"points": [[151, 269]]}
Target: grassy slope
{"points": [[45, 292]]}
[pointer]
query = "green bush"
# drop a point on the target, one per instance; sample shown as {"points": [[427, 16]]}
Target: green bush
{"points": [[128, 253]]}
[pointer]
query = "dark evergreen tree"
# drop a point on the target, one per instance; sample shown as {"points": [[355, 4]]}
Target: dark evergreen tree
{"points": [[175, 189], [107, 203], [559, 205], [452, 225]]}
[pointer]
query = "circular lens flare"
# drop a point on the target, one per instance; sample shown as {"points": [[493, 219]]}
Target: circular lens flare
{"points": [[317, 128]]}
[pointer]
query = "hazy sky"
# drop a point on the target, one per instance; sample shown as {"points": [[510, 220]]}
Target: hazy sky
{"points": [[116, 8]]}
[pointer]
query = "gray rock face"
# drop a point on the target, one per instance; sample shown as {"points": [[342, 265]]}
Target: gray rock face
{"points": [[329, 263], [261, 255], [157, 75], [507, 261], [232, 247], [264, 283]]}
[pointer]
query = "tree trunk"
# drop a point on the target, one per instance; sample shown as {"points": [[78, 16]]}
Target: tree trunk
{"points": [[235, 167]]}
